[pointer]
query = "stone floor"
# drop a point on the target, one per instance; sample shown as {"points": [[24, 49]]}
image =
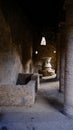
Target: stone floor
{"points": [[45, 114]]}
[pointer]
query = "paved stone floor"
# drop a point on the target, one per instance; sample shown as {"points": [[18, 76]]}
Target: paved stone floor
{"points": [[45, 114]]}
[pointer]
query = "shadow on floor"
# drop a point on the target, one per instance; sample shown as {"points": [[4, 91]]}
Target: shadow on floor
{"points": [[1, 116], [4, 128], [48, 80], [55, 103]]}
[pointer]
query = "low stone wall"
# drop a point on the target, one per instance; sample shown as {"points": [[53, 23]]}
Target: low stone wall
{"points": [[18, 94]]}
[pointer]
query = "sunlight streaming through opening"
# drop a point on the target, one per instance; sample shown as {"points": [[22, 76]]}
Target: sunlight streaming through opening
{"points": [[43, 41]]}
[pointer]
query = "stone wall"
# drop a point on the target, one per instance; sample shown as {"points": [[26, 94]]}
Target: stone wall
{"points": [[15, 51], [10, 62], [15, 43], [21, 31], [10, 66]]}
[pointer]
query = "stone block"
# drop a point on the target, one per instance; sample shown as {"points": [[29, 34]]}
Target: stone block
{"points": [[17, 94]]}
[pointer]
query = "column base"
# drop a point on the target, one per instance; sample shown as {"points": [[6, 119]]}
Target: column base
{"points": [[68, 111]]}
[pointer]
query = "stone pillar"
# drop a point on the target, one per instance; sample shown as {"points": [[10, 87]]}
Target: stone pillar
{"points": [[58, 57], [62, 68], [68, 94], [62, 57], [69, 75]]}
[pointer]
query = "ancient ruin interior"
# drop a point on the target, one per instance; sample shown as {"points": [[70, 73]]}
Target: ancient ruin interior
{"points": [[36, 65]]}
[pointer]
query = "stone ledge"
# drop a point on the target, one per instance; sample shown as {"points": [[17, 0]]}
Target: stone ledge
{"points": [[49, 77]]}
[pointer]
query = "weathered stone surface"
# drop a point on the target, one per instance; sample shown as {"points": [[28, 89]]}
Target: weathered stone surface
{"points": [[15, 44], [10, 66], [58, 56], [69, 74], [68, 92], [15, 50], [17, 95], [36, 77], [62, 70], [62, 56], [10, 61]]}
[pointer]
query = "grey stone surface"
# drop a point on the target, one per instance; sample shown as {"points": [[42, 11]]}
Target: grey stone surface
{"points": [[69, 60], [69, 64], [17, 94], [62, 68], [58, 56], [36, 77]]}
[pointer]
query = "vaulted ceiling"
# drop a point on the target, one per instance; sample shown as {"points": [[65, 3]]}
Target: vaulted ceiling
{"points": [[44, 12], [41, 13]]}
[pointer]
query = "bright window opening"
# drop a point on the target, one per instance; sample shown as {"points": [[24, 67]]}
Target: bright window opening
{"points": [[43, 41]]}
